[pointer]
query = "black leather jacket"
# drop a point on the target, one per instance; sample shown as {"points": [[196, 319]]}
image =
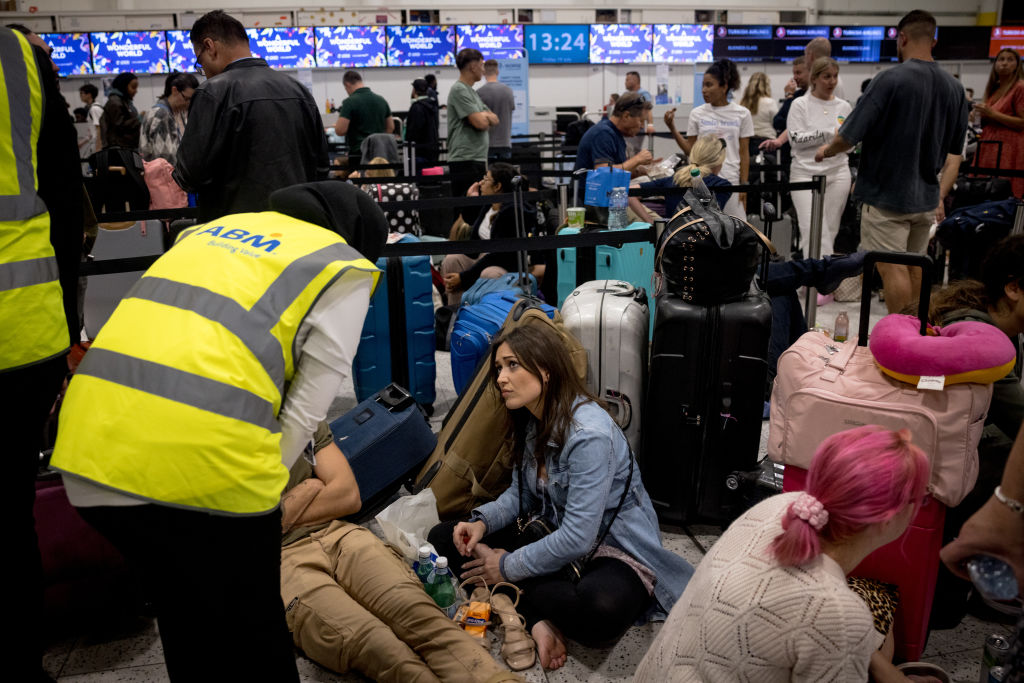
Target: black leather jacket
{"points": [[250, 131]]}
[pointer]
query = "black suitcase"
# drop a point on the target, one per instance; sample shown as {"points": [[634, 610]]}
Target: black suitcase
{"points": [[705, 399]]}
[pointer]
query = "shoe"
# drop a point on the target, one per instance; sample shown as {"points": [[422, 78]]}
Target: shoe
{"points": [[519, 651], [838, 267]]}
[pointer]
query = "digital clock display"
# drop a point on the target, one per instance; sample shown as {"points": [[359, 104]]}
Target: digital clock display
{"points": [[558, 44]]}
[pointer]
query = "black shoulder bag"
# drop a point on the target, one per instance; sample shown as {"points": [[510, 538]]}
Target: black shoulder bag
{"points": [[535, 528]]}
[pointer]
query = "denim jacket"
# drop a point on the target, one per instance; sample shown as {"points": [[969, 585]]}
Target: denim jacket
{"points": [[585, 483]]}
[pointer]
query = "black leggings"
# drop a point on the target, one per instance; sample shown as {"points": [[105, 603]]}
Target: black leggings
{"points": [[608, 599]]}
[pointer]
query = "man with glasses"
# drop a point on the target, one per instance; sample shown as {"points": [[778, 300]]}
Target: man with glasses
{"points": [[250, 131], [607, 140]]}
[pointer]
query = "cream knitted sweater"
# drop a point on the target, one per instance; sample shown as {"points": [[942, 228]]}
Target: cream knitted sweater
{"points": [[745, 618]]}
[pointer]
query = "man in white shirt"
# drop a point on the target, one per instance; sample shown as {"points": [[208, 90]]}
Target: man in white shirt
{"points": [[88, 94]]}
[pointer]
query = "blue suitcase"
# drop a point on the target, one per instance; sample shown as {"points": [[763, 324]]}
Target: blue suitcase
{"points": [[397, 342], [386, 440], [632, 262], [474, 328]]}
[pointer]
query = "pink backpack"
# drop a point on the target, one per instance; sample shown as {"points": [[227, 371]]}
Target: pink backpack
{"points": [[164, 193], [824, 387]]}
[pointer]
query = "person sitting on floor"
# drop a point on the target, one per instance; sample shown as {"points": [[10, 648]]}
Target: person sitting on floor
{"points": [[575, 472], [495, 221], [351, 602], [707, 156], [770, 601]]}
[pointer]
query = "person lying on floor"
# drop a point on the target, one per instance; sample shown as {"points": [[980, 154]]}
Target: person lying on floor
{"points": [[770, 602], [352, 603], [575, 472]]}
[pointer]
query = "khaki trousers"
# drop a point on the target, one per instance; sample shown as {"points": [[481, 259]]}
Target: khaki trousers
{"points": [[352, 603]]}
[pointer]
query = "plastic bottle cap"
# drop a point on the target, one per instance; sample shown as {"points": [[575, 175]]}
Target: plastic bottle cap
{"points": [[424, 551], [442, 562], [694, 172]]}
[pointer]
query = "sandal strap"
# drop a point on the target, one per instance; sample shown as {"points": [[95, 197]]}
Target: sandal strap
{"points": [[518, 647], [517, 589]]}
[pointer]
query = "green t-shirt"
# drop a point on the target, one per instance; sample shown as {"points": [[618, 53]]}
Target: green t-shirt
{"points": [[300, 472], [465, 143], [367, 113]]}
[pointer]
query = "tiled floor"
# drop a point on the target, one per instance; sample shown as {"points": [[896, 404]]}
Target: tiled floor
{"points": [[130, 650]]}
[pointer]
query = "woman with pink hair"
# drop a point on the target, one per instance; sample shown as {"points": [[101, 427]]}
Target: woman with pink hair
{"points": [[770, 600]]}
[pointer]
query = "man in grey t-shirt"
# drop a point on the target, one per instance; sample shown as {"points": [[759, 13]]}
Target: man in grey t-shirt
{"points": [[911, 121], [499, 98]]}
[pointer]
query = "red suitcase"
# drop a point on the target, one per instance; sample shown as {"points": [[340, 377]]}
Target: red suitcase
{"points": [[911, 562]]}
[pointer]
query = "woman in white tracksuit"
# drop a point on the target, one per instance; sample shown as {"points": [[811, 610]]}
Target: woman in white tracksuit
{"points": [[813, 122]]}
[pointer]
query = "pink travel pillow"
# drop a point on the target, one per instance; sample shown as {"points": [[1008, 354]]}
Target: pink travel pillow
{"points": [[967, 351]]}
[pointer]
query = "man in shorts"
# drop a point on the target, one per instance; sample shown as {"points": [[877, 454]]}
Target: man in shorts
{"points": [[911, 121]]}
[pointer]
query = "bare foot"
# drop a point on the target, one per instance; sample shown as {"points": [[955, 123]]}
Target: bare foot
{"points": [[550, 645]]}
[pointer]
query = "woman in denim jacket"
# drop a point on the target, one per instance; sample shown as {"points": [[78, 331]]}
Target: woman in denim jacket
{"points": [[575, 483]]}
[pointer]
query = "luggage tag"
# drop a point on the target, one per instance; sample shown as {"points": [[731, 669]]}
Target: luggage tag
{"points": [[932, 382]]}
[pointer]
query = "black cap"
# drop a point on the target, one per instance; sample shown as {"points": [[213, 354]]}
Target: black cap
{"points": [[420, 86]]}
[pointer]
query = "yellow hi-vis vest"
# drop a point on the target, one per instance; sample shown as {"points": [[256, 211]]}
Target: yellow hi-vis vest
{"points": [[177, 400], [32, 323]]}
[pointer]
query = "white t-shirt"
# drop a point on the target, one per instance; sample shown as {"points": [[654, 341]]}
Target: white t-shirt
{"points": [[731, 122], [485, 224], [812, 123], [328, 337], [767, 108]]}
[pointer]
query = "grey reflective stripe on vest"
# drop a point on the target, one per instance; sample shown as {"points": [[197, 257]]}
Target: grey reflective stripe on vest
{"points": [[26, 203], [177, 385], [252, 330], [35, 271]]}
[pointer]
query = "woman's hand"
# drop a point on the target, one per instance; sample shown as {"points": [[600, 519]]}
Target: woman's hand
{"points": [[771, 144], [790, 88], [670, 119], [988, 532], [474, 190], [466, 536], [487, 564], [452, 283], [983, 109]]}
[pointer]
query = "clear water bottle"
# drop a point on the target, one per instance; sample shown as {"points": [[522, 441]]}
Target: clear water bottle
{"points": [[699, 188], [993, 578], [842, 329], [441, 584], [617, 201], [423, 565]]}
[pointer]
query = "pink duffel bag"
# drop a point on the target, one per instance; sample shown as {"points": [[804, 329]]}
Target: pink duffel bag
{"points": [[823, 387]]}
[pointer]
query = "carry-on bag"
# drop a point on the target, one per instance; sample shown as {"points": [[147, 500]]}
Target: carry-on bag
{"points": [[611, 319], [386, 439], [397, 342], [632, 262], [824, 387], [470, 465]]}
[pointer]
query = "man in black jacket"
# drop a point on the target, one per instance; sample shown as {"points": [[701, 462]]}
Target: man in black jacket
{"points": [[421, 124], [250, 131]]}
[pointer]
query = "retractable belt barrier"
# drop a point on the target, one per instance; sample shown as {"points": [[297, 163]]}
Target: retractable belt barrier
{"points": [[997, 172]]}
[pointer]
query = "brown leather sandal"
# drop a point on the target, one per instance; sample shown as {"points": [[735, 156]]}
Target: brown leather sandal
{"points": [[519, 651]]}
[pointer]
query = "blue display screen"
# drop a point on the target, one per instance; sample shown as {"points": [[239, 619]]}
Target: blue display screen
{"points": [[621, 43], [141, 52], [283, 47], [421, 45], [495, 41], [742, 43], [684, 42], [790, 41], [857, 43], [179, 51], [349, 46], [70, 52], [558, 44]]}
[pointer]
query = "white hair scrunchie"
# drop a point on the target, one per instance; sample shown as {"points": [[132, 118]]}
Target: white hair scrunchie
{"points": [[810, 509]]}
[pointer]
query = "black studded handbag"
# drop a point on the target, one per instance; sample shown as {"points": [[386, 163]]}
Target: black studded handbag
{"points": [[706, 256]]}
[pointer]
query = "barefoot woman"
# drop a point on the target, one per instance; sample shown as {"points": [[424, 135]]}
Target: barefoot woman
{"points": [[575, 471]]}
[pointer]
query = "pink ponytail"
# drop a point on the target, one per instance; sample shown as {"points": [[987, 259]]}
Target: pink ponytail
{"points": [[861, 476]]}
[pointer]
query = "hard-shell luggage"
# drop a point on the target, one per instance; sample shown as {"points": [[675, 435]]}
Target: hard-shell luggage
{"points": [[474, 328], [633, 262], [397, 343], [705, 400], [611, 319], [471, 465], [386, 439], [824, 387]]}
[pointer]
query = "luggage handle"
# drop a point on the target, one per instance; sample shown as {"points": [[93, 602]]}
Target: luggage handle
{"points": [[899, 258], [395, 398]]}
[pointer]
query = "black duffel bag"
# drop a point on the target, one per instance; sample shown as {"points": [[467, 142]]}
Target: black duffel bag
{"points": [[705, 256]]}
